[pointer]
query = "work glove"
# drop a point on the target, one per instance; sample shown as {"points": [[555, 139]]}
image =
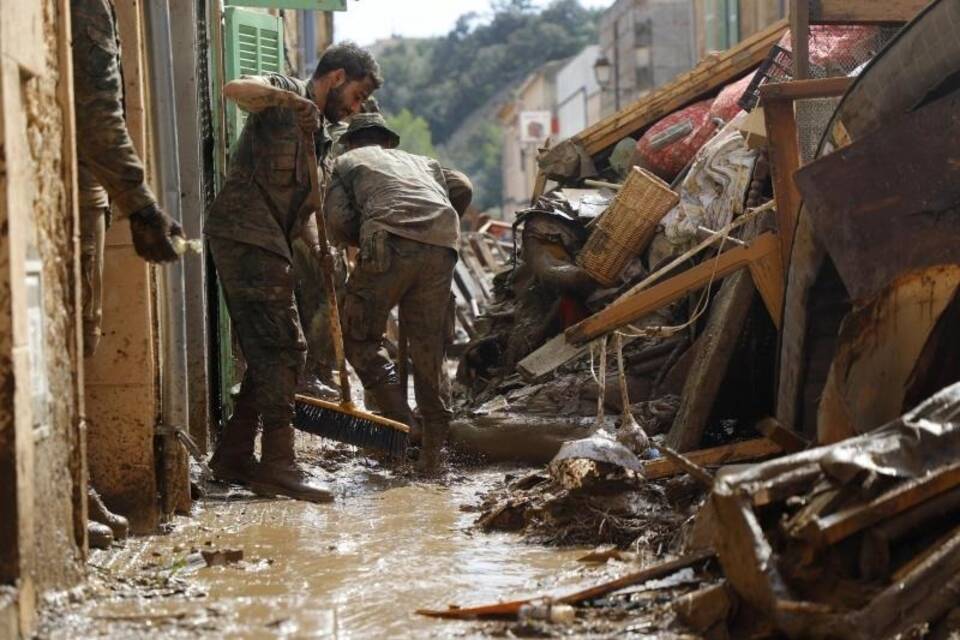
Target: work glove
{"points": [[152, 230]]}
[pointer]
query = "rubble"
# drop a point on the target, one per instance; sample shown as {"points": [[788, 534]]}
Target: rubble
{"points": [[830, 516]]}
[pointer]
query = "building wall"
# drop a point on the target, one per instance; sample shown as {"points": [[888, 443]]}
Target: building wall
{"points": [[673, 32], [537, 93], [41, 441], [720, 24], [578, 94]]}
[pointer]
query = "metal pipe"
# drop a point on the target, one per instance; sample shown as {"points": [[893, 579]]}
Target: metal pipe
{"points": [[173, 371]]}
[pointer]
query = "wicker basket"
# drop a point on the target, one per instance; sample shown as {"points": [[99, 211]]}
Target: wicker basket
{"points": [[627, 226]]}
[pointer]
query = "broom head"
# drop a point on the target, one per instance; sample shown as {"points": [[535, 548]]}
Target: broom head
{"points": [[346, 423]]}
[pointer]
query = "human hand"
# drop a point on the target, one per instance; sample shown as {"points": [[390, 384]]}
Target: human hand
{"points": [[152, 231]]}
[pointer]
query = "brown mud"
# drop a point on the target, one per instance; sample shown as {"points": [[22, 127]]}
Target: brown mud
{"points": [[356, 569]]}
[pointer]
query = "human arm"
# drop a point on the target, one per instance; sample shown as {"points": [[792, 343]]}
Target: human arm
{"points": [[255, 94], [104, 145], [341, 216]]}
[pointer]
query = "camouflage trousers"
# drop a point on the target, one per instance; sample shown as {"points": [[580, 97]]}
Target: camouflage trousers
{"points": [[259, 289], [394, 271], [92, 237], [313, 307]]}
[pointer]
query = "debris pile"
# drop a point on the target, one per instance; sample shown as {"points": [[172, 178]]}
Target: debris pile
{"points": [[799, 292]]}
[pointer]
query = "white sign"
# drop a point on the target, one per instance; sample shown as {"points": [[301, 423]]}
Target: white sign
{"points": [[535, 126]]}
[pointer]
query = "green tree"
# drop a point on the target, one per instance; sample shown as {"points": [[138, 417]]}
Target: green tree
{"points": [[414, 133]]}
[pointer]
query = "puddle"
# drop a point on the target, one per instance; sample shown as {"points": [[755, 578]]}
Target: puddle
{"points": [[355, 569]]}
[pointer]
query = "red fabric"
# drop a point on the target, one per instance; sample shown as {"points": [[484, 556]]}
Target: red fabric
{"points": [[836, 45], [725, 106], [571, 311], [669, 160]]}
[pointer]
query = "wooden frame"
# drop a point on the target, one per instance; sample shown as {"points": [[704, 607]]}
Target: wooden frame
{"points": [[630, 308], [778, 106]]}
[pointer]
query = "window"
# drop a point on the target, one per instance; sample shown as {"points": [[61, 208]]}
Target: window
{"points": [[254, 45]]}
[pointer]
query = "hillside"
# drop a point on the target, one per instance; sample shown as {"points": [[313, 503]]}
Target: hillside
{"points": [[434, 85]]}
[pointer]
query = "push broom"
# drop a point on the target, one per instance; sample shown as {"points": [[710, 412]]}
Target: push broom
{"points": [[343, 421]]}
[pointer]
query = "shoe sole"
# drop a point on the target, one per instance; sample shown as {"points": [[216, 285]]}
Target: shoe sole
{"points": [[272, 491]]}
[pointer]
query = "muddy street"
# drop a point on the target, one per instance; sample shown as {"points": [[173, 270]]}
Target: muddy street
{"points": [[358, 568]]}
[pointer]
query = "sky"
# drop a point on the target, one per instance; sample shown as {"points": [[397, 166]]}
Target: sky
{"points": [[366, 21]]}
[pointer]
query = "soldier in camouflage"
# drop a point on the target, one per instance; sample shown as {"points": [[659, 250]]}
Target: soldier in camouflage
{"points": [[249, 228], [396, 207], [109, 172]]}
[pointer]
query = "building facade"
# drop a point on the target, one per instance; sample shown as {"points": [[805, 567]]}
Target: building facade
{"points": [[121, 417], [529, 122]]}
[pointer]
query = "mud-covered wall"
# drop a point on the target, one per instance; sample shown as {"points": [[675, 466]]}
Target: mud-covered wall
{"points": [[57, 455]]}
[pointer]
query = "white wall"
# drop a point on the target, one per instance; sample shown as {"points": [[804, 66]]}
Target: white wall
{"points": [[576, 86]]}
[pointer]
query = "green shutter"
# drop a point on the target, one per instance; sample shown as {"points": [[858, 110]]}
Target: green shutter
{"points": [[254, 45], [315, 5]]}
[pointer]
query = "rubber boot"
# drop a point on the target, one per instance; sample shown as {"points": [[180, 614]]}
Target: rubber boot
{"points": [[278, 473], [233, 460], [431, 449], [99, 535], [98, 512], [392, 404]]}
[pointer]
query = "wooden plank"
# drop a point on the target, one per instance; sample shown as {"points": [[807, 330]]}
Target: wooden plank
{"points": [[845, 523], [800, 36], [716, 346], [725, 454], [805, 89], [864, 11], [709, 76], [784, 149], [790, 440], [767, 273], [510, 609], [630, 308]]}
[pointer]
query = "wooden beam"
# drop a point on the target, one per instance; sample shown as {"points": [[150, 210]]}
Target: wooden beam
{"points": [[864, 11], [725, 454], [800, 37], [512, 608], [805, 89], [784, 161], [629, 308], [768, 276], [715, 349], [790, 440], [838, 526], [707, 77]]}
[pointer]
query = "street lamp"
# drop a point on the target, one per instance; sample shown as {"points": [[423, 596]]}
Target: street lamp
{"points": [[602, 71]]}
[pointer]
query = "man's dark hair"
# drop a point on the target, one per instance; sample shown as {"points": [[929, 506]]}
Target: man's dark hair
{"points": [[356, 62]]}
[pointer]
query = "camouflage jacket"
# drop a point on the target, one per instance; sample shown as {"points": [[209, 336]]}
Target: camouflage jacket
{"points": [[374, 189], [108, 161], [267, 182]]}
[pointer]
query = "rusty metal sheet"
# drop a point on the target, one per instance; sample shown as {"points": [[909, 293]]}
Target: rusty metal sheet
{"points": [[890, 202]]}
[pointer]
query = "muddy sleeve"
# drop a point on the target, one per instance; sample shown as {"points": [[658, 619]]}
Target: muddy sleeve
{"points": [[104, 145], [340, 214]]}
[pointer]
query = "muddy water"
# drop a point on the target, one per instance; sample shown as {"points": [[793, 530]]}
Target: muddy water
{"points": [[355, 569]]}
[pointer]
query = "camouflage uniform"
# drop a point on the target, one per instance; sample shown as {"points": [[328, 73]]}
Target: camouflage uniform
{"points": [[249, 228], [108, 164], [395, 207]]}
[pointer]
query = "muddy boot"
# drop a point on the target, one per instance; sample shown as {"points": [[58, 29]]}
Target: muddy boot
{"points": [[99, 535], [278, 473], [233, 460], [98, 512], [431, 449], [314, 387], [392, 404]]}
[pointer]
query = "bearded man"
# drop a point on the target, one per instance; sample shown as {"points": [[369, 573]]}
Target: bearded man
{"points": [[250, 228]]}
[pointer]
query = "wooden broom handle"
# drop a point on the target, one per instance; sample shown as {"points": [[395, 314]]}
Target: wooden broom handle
{"points": [[326, 263]]}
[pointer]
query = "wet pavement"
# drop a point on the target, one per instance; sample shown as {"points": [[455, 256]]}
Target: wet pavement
{"points": [[356, 569]]}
